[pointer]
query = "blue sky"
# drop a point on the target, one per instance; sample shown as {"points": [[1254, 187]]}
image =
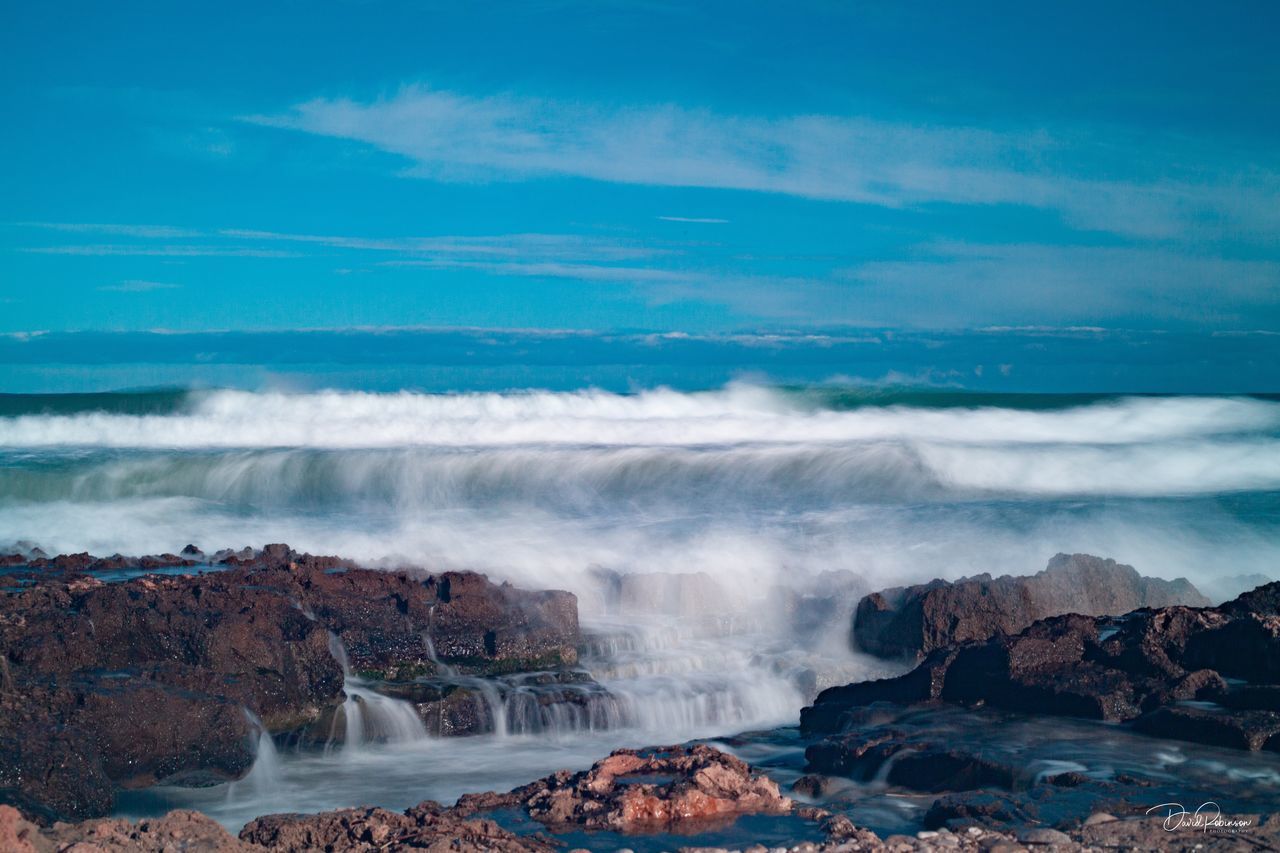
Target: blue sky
{"points": [[639, 165]]}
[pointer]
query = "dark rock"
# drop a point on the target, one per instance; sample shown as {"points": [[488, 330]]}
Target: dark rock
{"points": [[1142, 666], [835, 708], [1263, 601], [1252, 730], [913, 621], [979, 809], [908, 762]]}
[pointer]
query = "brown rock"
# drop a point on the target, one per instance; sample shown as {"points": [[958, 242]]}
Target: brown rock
{"points": [[427, 826], [149, 679], [913, 621]]}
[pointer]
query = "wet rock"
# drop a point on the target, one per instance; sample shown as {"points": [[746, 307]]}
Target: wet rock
{"points": [[653, 790], [839, 708], [1253, 730], [65, 747], [150, 679], [913, 621], [427, 826], [980, 809], [401, 625], [1145, 665]]}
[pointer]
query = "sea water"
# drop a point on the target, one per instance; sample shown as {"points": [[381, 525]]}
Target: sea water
{"points": [[759, 495]]}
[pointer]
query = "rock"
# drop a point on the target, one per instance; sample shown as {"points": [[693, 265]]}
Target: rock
{"points": [[1043, 835], [913, 621], [1150, 833], [531, 703], [1262, 601], [1252, 730], [19, 835], [981, 808], [426, 826], [65, 747], [909, 762], [178, 830], [654, 790], [837, 708], [1144, 666], [150, 679]]}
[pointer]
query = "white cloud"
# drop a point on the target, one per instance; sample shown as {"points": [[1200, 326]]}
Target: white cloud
{"points": [[449, 136], [168, 251], [554, 269], [150, 232], [135, 285], [1079, 287], [561, 246]]}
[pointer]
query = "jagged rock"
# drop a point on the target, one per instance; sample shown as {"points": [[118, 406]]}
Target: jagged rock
{"points": [[913, 621], [1239, 729], [653, 790], [1145, 663], [178, 830], [427, 826]]}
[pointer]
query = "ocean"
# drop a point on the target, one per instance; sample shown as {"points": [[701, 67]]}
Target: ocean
{"points": [[758, 490]]}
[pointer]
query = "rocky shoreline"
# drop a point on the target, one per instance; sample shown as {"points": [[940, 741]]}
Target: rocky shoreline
{"points": [[123, 673], [171, 678]]}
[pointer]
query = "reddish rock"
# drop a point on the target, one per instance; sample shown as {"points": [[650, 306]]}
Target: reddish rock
{"points": [[655, 790], [178, 830], [19, 835], [149, 679]]}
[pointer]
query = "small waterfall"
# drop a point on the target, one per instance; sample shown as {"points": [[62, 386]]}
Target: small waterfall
{"points": [[491, 703], [264, 777], [441, 667], [370, 717]]}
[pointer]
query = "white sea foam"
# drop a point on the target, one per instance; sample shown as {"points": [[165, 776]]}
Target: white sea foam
{"points": [[736, 415]]}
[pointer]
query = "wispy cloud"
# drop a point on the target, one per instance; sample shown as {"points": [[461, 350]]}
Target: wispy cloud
{"points": [[552, 269], [696, 220], [450, 136], [948, 284], [148, 232], [135, 285], [563, 246], [167, 251], [159, 240]]}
